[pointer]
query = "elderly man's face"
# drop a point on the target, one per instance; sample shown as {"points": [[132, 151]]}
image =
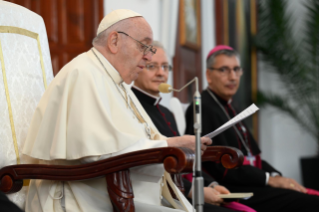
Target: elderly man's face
{"points": [[149, 79], [224, 85], [132, 52]]}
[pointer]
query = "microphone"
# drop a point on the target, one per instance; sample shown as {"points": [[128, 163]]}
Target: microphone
{"points": [[198, 197], [165, 88]]}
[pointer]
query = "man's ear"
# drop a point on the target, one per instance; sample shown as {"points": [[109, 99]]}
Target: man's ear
{"points": [[113, 42]]}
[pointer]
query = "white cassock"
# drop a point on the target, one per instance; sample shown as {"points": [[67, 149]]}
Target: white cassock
{"points": [[83, 117]]}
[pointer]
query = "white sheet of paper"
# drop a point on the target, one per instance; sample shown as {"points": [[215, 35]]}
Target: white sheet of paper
{"points": [[236, 195], [244, 114]]}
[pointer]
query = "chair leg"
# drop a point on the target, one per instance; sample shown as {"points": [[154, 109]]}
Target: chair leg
{"points": [[178, 180], [120, 191]]}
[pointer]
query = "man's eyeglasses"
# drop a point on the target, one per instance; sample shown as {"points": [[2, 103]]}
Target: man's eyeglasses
{"points": [[153, 67], [145, 48], [226, 70]]}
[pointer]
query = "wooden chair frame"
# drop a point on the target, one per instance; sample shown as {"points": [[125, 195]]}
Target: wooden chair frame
{"points": [[116, 170]]}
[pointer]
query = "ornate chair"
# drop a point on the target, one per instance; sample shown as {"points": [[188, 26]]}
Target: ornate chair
{"points": [[26, 70], [175, 160]]}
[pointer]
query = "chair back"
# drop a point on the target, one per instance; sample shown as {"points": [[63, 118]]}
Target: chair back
{"points": [[179, 109], [25, 72]]}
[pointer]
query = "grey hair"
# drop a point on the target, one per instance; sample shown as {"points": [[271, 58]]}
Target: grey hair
{"points": [[101, 39], [158, 44], [211, 60]]}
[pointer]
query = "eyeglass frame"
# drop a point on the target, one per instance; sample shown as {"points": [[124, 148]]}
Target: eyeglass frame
{"points": [[170, 68], [147, 49], [237, 73]]}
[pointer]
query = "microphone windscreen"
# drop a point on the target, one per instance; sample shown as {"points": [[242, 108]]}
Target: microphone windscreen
{"points": [[165, 88]]}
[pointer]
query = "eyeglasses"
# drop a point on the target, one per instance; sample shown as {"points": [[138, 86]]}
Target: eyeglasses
{"points": [[145, 48], [226, 70], [153, 67]]}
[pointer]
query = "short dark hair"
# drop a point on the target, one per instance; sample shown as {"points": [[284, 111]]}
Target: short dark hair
{"points": [[211, 60]]}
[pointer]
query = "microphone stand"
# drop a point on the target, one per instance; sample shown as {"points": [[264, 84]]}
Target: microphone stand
{"points": [[198, 198], [198, 193]]}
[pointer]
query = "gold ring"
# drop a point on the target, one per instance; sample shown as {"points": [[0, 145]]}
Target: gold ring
{"points": [[292, 185]]}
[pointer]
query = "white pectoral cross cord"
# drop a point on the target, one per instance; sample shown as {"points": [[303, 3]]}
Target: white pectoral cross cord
{"points": [[251, 159], [135, 111]]}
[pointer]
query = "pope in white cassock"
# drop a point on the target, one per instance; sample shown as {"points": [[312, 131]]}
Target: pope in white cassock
{"points": [[88, 113]]}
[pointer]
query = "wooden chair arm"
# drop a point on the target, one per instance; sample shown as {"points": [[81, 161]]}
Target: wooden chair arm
{"points": [[116, 170], [230, 157], [174, 159]]}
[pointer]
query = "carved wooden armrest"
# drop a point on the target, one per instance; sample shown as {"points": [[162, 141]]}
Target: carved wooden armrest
{"points": [[174, 159], [230, 157], [116, 170]]}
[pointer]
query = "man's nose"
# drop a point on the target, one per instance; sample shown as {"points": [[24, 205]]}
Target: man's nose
{"points": [[148, 56], [160, 71], [232, 75]]}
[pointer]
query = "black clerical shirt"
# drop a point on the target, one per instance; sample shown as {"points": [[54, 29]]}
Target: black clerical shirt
{"points": [[6, 205], [212, 118], [164, 121], [162, 118]]}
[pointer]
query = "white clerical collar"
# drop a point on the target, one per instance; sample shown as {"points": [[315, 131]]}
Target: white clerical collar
{"points": [[112, 71], [156, 98]]}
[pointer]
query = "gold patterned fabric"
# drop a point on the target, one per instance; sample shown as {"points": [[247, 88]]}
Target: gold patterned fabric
{"points": [[25, 70]]}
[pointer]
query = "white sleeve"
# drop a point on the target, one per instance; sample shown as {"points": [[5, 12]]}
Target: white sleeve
{"points": [[152, 171], [140, 145]]}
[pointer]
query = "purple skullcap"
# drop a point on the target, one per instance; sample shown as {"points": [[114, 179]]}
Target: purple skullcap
{"points": [[218, 48]]}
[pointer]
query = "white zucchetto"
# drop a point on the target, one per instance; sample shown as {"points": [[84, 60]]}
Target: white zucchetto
{"points": [[114, 17]]}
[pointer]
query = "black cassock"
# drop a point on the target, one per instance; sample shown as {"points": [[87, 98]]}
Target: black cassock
{"points": [[247, 178], [6, 205], [164, 121]]}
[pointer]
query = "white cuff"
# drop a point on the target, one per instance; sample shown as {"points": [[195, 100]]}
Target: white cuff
{"points": [[213, 184], [274, 174], [267, 177]]}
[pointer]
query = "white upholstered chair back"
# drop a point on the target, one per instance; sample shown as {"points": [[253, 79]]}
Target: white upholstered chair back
{"points": [[179, 109], [25, 71]]}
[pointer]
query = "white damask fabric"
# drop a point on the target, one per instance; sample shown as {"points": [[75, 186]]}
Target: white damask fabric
{"points": [[25, 80]]}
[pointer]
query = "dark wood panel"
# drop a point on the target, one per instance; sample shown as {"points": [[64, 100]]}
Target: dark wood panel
{"points": [[187, 64], [49, 13], [71, 26], [75, 28], [219, 22]]}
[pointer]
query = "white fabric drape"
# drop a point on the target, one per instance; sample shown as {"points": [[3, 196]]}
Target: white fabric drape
{"points": [[83, 116]]}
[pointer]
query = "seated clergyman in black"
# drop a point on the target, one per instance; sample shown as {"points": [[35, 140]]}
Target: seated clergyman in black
{"points": [[146, 90], [272, 192], [6, 205]]}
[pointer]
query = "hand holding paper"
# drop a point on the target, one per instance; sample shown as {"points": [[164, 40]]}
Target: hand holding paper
{"points": [[244, 114]]}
